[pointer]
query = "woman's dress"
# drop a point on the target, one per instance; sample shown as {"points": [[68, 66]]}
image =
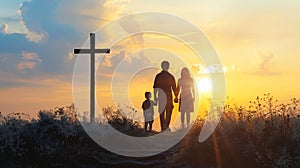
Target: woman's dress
{"points": [[186, 103]]}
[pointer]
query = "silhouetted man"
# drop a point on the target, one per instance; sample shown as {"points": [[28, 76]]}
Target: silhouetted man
{"points": [[164, 84]]}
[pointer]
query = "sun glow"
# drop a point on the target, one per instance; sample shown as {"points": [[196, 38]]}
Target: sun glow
{"points": [[204, 84]]}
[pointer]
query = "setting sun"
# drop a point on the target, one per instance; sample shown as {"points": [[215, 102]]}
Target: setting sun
{"points": [[203, 84]]}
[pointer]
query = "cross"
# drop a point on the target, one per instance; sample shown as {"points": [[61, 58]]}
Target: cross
{"points": [[92, 51]]}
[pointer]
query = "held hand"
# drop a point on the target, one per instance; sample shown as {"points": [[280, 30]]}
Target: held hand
{"points": [[176, 100]]}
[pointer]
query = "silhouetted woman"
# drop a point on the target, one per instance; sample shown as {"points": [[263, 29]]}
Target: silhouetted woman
{"points": [[187, 95]]}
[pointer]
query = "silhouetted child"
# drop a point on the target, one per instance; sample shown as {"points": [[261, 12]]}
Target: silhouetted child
{"points": [[148, 111]]}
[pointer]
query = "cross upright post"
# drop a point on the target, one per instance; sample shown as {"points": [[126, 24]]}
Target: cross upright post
{"points": [[92, 51]]}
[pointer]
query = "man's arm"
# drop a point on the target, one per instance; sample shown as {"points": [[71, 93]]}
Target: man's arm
{"points": [[174, 88], [177, 92], [155, 89], [155, 94]]}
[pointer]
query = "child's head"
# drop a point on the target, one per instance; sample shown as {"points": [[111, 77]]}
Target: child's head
{"points": [[147, 95]]}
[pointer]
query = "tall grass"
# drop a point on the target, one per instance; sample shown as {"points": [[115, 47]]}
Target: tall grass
{"points": [[264, 134]]}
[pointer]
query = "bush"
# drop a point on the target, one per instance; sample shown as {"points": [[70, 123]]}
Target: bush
{"points": [[264, 134]]}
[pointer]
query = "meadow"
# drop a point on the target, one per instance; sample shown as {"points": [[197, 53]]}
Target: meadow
{"points": [[264, 134]]}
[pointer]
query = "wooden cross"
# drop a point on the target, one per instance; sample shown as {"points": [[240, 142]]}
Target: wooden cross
{"points": [[92, 51]]}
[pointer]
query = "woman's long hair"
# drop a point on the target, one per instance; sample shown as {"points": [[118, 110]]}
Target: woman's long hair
{"points": [[185, 74]]}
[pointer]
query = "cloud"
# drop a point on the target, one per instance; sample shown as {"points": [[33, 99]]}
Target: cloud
{"points": [[211, 69], [53, 29], [26, 65], [15, 43], [30, 56], [123, 49], [31, 60], [124, 54], [4, 29], [130, 25], [265, 58]]}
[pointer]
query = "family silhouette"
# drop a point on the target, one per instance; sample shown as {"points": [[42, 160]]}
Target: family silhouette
{"points": [[163, 88]]}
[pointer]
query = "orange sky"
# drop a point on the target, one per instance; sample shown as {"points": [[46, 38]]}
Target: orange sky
{"points": [[257, 42]]}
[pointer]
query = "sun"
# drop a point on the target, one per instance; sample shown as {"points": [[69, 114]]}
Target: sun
{"points": [[204, 84]]}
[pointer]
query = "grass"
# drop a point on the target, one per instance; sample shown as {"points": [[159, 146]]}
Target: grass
{"points": [[264, 134]]}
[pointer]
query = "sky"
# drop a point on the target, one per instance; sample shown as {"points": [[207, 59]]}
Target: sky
{"points": [[257, 42]]}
